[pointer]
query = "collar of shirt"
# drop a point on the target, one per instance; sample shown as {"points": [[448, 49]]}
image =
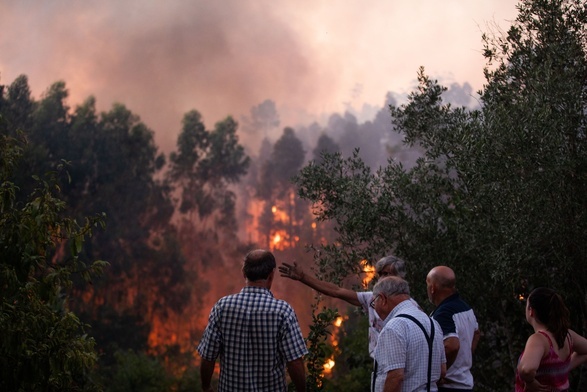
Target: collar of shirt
{"points": [[448, 299], [258, 290], [398, 309]]}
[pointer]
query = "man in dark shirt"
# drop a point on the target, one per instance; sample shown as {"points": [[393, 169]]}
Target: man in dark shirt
{"points": [[459, 327]]}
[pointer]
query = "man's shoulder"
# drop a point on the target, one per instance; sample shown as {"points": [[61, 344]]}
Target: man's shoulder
{"points": [[452, 305], [408, 312]]}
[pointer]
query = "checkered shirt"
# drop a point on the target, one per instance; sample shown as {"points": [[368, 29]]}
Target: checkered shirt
{"points": [[255, 335], [402, 345]]}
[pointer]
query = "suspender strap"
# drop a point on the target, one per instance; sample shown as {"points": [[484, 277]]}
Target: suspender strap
{"points": [[375, 366], [429, 340]]}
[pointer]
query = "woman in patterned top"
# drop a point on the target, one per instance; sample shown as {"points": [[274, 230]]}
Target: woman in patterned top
{"points": [[553, 349]]}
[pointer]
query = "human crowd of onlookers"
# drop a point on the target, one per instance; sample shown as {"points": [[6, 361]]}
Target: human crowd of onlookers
{"points": [[258, 338]]}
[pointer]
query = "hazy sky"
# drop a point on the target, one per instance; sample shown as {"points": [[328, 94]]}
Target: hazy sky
{"points": [[220, 57]]}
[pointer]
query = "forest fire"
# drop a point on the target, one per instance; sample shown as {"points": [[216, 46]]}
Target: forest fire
{"points": [[369, 272], [329, 364]]}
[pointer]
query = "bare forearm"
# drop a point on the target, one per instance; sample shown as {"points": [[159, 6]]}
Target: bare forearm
{"points": [[297, 373], [451, 349], [394, 381], [295, 272], [206, 372], [578, 360], [331, 289]]}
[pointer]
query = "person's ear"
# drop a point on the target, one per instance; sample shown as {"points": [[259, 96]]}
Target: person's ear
{"points": [[270, 278]]}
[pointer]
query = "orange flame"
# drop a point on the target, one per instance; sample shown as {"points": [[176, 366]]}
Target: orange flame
{"points": [[329, 365], [369, 271]]}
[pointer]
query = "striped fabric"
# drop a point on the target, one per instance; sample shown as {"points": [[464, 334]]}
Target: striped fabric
{"points": [[552, 371]]}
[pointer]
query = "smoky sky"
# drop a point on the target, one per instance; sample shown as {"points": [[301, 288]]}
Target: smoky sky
{"points": [[164, 58]]}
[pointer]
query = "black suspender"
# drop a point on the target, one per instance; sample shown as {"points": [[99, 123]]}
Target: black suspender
{"points": [[429, 340]]}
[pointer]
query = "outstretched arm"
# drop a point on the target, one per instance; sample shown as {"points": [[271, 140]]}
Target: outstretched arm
{"points": [[296, 272]]}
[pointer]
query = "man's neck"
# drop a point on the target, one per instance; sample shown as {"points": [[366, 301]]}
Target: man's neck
{"points": [[444, 295], [263, 283]]}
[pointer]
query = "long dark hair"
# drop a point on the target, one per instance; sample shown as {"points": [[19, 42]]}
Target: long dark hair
{"points": [[551, 311]]}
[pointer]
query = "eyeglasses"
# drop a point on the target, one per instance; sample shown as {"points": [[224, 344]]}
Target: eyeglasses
{"points": [[372, 303]]}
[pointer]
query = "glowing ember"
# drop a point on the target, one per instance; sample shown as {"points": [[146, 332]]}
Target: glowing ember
{"points": [[329, 365], [338, 321], [276, 239]]}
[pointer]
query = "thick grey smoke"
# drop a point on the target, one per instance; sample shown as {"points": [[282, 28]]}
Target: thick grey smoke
{"points": [[159, 58], [163, 58]]}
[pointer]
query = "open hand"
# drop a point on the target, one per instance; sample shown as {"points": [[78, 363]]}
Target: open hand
{"points": [[294, 271], [535, 386]]}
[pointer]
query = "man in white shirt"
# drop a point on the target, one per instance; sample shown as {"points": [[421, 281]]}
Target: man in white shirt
{"points": [[386, 266], [409, 355]]}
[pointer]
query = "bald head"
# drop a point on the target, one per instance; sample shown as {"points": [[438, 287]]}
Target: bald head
{"points": [[440, 284], [443, 276]]}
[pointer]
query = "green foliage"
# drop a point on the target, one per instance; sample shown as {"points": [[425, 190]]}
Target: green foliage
{"points": [[189, 381], [319, 349], [497, 194], [138, 372], [44, 345], [114, 168], [353, 364]]}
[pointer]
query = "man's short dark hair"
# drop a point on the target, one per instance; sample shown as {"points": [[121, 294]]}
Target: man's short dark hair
{"points": [[258, 264]]}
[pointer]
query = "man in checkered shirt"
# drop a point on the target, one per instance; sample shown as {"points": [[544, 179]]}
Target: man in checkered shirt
{"points": [[256, 336], [402, 352]]}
